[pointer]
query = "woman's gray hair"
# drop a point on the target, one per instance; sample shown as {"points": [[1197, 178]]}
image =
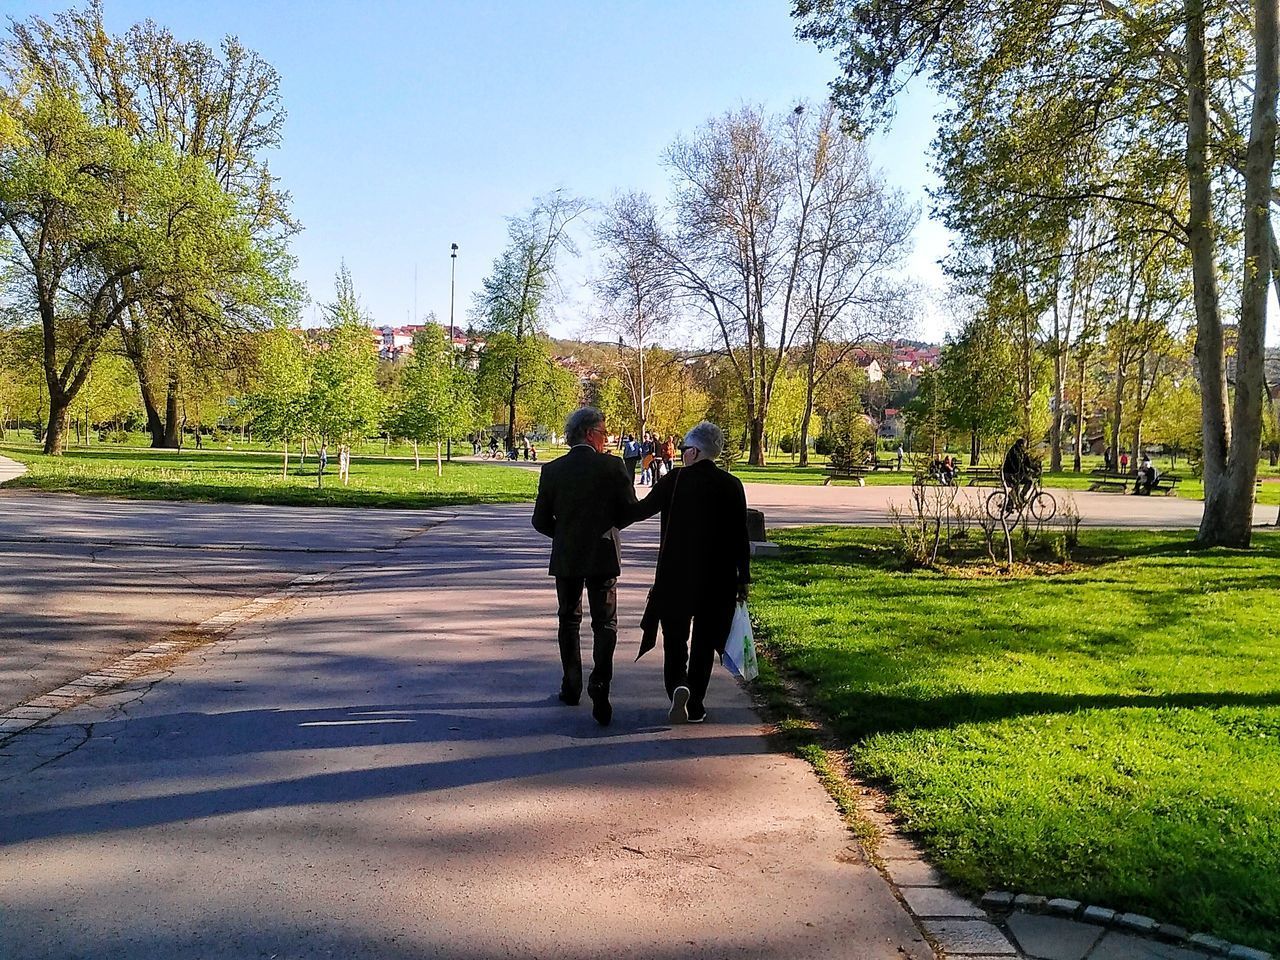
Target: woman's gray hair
{"points": [[707, 437], [581, 422]]}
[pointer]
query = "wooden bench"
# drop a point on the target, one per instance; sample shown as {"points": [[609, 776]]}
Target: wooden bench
{"points": [[886, 463], [925, 479], [1110, 481], [983, 477], [856, 472], [1165, 483]]}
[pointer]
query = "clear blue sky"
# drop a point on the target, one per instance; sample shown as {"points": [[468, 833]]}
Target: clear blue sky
{"points": [[413, 125]]}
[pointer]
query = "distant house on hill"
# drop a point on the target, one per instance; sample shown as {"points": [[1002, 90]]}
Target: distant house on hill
{"points": [[893, 425], [870, 364], [915, 360], [393, 343]]}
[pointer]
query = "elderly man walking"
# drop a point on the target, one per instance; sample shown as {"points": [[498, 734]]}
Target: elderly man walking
{"points": [[580, 497]]}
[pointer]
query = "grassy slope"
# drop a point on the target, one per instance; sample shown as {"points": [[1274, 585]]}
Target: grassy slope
{"points": [[1111, 734]]}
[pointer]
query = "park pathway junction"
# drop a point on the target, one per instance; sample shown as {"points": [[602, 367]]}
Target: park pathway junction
{"points": [[236, 731]]}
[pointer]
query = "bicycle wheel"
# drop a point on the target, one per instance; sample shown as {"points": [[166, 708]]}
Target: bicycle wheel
{"points": [[1043, 506], [995, 504]]}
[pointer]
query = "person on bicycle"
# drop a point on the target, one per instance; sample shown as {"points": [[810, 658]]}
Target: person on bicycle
{"points": [[1019, 470], [493, 446]]}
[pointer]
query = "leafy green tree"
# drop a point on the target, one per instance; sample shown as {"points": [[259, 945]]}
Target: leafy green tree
{"points": [[278, 402], [977, 373], [74, 261], [513, 305], [789, 408], [1173, 420], [925, 415], [343, 402], [1168, 107], [218, 108], [436, 397], [614, 401]]}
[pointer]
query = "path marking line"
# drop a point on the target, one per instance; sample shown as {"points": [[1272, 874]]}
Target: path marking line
{"points": [[41, 709]]}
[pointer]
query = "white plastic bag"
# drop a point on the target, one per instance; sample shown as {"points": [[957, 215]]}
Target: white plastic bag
{"points": [[740, 648]]}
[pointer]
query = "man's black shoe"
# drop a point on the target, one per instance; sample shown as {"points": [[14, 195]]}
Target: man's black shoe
{"points": [[600, 707], [697, 714], [570, 698]]}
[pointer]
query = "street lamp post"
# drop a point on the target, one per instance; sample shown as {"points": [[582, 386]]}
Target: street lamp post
{"points": [[453, 272]]}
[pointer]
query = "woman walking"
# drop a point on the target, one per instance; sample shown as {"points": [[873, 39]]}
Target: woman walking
{"points": [[704, 566]]}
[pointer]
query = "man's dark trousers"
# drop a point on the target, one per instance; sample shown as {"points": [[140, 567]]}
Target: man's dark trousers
{"points": [[602, 600]]}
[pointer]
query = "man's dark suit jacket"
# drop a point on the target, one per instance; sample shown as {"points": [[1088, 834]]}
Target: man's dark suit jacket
{"points": [[580, 497], [705, 555]]}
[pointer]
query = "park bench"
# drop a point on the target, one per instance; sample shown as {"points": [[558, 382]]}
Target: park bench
{"points": [[1112, 481], [1165, 483], [856, 472], [983, 477], [886, 463]]}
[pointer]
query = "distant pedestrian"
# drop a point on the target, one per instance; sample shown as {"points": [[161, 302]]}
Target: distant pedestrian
{"points": [[899, 458], [631, 454], [324, 458], [669, 453], [1124, 463]]}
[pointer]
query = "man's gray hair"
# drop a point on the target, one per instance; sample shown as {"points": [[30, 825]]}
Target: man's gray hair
{"points": [[581, 422], [707, 437]]}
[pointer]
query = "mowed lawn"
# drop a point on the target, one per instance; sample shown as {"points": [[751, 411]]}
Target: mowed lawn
{"points": [[237, 477], [1189, 487], [1109, 734]]}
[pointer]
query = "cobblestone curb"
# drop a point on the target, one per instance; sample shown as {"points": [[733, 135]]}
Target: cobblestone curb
{"points": [[1004, 902], [39, 710]]}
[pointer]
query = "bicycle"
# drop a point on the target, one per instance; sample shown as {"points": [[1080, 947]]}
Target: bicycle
{"points": [[1039, 501]]}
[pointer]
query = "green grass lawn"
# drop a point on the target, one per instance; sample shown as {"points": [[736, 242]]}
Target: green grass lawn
{"points": [[1189, 487], [239, 477], [1110, 734]]}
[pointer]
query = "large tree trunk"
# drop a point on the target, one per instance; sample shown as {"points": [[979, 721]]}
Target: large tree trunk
{"points": [[1118, 416], [1080, 420], [1059, 391], [511, 405], [755, 455], [132, 339], [172, 419], [1228, 518], [808, 405], [804, 431], [55, 437], [1200, 236]]}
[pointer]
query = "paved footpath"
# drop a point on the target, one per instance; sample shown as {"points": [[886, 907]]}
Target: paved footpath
{"points": [[381, 771]]}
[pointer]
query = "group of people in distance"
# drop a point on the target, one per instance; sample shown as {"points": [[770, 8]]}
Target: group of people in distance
{"points": [[513, 451], [651, 454], [703, 566], [943, 469]]}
